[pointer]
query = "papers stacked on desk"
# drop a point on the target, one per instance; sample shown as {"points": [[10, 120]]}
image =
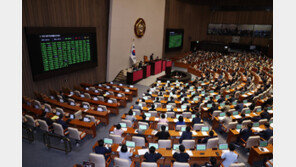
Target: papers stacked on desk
{"points": [[156, 119], [54, 117], [257, 129], [247, 115], [175, 120], [238, 130], [180, 133], [154, 132], [179, 109], [237, 116], [244, 95], [189, 152], [204, 133], [194, 133], [270, 111], [248, 104], [271, 125], [142, 151], [124, 129], [263, 149], [220, 118]]}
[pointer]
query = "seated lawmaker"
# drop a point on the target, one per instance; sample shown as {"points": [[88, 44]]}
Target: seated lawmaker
{"points": [[117, 130], [211, 135], [163, 134], [101, 149], [137, 106], [246, 133], [163, 119], [181, 156], [267, 133], [186, 134], [130, 116], [181, 121], [197, 119], [152, 156], [62, 122], [227, 119]]}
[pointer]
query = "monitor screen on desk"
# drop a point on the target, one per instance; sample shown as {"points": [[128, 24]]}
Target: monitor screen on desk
{"points": [[235, 113], [248, 111], [222, 114], [183, 107], [130, 144], [100, 109], [110, 101], [119, 95], [223, 146], [256, 124], [154, 145], [147, 114], [72, 116], [204, 128], [142, 127], [183, 128], [209, 105], [123, 125], [200, 147], [58, 113], [178, 115], [108, 141], [263, 143], [258, 110], [234, 103], [239, 126], [227, 96], [86, 119], [96, 99], [176, 146], [245, 101], [169, 107]]}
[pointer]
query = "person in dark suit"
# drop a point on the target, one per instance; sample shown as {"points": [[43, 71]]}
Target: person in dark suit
{"points": [[100, 149], [267, 133], [197, 119], [147, 93], [63, 123], [186, 134], [46, 119], [144, 119], [265, 115], [152, 108], [151, 57], [152, 156], [239, 107], [211, 135], [246, 133], [181, 156], [163, 134]]}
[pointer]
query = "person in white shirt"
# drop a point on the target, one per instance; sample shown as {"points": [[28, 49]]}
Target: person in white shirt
{"points": [[125, 154], [118, 130], [163, 119], [229, 157]]}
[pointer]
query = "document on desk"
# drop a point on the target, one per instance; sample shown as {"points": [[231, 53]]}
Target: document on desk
{"points": [[142, 151], [237, 116], [54, 117], [204, 133], [257, 129], [124, 129], [194, 133], [224, 151], [175, 120], [270, 111], [220, 118], [154, 132], [189, 152], [263, 149], [179, 109], [156, 119]]}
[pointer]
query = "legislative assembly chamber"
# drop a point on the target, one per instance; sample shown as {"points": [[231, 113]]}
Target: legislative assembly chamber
{"points": [[147, 83]]}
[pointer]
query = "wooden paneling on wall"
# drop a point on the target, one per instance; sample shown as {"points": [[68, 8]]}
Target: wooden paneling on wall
{"points": [[65, 13], [194, 19]]}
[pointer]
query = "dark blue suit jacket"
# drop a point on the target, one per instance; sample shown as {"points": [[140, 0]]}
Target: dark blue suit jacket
{"points": [[185, 135], [152, 157], [102, 150], [266, 134], [196, 120], [245, 134], [63, 123], [181, 157]]}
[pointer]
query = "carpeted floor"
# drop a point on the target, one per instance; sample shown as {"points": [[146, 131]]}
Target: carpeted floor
{"points": [[37, 155]]}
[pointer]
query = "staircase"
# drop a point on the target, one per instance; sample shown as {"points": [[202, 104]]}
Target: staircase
{"points": [[121, 78]]}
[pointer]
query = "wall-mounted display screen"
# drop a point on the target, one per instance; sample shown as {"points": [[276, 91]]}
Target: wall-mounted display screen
{"points": [[59, 50], [174, 39]]}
